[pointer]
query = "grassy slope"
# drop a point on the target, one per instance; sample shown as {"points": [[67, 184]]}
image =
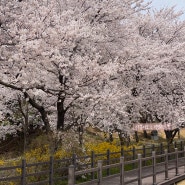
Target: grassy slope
{"points": [[13, 147]]}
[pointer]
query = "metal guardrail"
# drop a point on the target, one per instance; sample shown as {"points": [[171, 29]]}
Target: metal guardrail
{"points": [[56, 171], [169, 158]]}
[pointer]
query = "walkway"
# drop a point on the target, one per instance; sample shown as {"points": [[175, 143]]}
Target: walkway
{"points": [[148, 171]]}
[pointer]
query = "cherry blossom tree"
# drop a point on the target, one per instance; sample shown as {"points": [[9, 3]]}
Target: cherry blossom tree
{"points": [[149, 82], [156, 75], [61, 54], [105, 62]]}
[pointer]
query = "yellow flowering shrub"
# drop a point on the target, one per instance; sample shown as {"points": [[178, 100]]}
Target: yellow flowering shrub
{"points": [[11, 183], [42, 152], [102, 147], [1, 162], [38, 154], [59, 154], [8, 183], [6, 173]]}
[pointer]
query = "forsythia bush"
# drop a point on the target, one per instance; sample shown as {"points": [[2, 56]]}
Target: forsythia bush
{"points": [[102, 147], [1, 162], [42, 154], [38, 154]]}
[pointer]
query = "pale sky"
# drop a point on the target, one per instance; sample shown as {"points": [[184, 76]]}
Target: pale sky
{"points": [[158, 4]]}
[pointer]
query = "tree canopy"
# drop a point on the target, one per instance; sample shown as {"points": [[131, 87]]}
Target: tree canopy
{"points": [[111, 62]]}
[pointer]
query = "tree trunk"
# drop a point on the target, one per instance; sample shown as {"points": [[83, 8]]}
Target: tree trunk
{"points": [[60, 115], [110, 137], [41, 110], [170, 134], [121, 138], [136, 136], [80, 132], [145, 134]]}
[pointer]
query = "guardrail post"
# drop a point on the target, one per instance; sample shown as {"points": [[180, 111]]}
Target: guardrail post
{"points": [[100, 162], [161, 150], [144, 155], [122, 152], [134, 155], [71, 175], [122, 171], [168, 146], [74, 160], [139, 170], [92, 163], [181, 148], [177, 162], [166, 164], [154, 166], [23, 172], [153, 147], [108, 162], [51, 171]]}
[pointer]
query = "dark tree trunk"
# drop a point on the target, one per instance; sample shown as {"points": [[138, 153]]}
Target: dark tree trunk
{"points": [[33, 103], [145, 134], [136, 136], [110, 137], [80, 132], [60, 115], [170, 134], [121, 138], [45, 118], [41, 110]]}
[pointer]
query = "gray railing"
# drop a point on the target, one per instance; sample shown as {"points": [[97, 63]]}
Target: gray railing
{"points": [[170, 161], [55, 171]]}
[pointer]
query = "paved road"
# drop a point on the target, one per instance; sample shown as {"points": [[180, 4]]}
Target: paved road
{"points": [[146, 171], [145, 181]]}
